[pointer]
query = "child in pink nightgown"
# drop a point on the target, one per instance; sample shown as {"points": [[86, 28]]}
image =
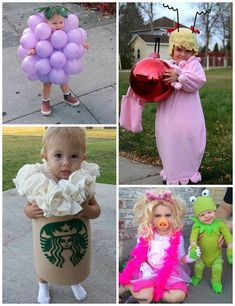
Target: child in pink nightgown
{"points": [[180, 125], [156, 270]]}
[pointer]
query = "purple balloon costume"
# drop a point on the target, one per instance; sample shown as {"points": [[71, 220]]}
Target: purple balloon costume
{"points": [[58, 53]]}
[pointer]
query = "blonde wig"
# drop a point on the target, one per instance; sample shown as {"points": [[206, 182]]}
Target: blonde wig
{"points": [[143, 213], [183, 38]]}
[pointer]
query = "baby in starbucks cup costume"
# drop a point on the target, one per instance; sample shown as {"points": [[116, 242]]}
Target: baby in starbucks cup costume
{"points": [[61, 201]]}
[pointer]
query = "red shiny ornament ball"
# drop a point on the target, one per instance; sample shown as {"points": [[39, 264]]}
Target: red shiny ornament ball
{"points": [[146, 80]]}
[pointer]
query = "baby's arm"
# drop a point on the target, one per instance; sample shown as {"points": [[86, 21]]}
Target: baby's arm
{"points": [[32, 211], [91, 209], [192, 78]]}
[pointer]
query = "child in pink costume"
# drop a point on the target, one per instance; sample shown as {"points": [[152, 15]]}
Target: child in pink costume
{"points": [[180, 125], [156, 270]]}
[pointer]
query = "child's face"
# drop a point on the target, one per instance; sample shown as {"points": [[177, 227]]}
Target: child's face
{"points": [[207, 216], [162, 219], [56, 22], [181, 54], [63, 157]]}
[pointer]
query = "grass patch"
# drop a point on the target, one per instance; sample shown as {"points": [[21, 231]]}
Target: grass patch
{"points": [[21, 150], [216, 97], [39, 131]]}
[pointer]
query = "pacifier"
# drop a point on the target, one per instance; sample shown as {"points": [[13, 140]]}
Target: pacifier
{"points": [[162, 224]]}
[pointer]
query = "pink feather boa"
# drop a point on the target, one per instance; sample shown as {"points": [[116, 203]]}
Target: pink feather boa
{"points": [[139, 255]]}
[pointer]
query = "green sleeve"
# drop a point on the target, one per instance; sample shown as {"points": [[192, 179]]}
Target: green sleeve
{"points": [[194, 234], [226, 232]]}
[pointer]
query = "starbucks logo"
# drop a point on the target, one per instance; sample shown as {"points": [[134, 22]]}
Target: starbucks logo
{"points": [[56, 238]]}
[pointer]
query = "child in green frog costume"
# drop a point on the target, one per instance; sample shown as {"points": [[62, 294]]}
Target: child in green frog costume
{"points": [[205, 233]]}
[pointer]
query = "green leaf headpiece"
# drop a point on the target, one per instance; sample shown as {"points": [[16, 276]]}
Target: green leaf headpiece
{"points": [[50, 11]]}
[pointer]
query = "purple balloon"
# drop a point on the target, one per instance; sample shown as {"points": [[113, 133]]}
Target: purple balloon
{"points": [[41, 15], [57, 59], [22, 53], [57, 76], [71, 22], [34, 20], [28, 41], [32, 77], [59, 39], [27, 30], [81, 51], [84, 34], [44, 78], [28, 64], [42, 31], [73, 66], [71, 50], [44, 48], [43, 66], [66, 79], [75, 36]]}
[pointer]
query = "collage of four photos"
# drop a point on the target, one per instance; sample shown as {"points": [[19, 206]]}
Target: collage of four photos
{"points": [[117, 178]]}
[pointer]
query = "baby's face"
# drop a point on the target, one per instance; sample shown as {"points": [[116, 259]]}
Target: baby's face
{"points": [[63, 157], [56, 22], [162, 219], [181, 54], [207, 216]]}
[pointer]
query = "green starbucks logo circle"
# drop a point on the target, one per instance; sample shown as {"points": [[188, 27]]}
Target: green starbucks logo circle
{"points": [[57, 237]]}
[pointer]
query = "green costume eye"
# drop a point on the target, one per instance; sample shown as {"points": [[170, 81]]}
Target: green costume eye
{"points": [[205, 193], [192, 199]]}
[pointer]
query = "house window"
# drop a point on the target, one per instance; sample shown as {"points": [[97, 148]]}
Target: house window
{"points": [[138, 53]]}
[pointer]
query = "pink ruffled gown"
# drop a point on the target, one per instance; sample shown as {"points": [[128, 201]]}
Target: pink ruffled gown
{"points": [[155, 261], [180, 125]]}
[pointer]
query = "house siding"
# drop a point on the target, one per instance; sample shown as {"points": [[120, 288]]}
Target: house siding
{"points": [[147, 48]]}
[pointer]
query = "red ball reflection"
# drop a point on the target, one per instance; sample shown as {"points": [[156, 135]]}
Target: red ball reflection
{"points": [[146, 80]]}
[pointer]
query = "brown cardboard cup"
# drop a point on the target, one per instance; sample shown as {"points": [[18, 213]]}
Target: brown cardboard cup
{"points": [[62, 249]]}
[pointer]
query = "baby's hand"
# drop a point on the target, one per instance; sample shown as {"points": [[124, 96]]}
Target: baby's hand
{"points": [[188, 258], [91, 209], [32, 211], [32, 52], [86, 45], [170, 75], [194, 252]]}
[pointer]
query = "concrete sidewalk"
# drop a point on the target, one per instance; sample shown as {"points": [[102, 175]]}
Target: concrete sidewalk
{"points": [[95, 86], [19, 279], [135, 173]]}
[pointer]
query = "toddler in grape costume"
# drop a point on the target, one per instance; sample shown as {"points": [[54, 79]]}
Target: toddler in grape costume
{"points": [[61, 201], [51, 49], [205, 234]]}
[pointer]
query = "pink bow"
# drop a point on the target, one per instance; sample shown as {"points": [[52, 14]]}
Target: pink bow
{"points": [[165, 195]]}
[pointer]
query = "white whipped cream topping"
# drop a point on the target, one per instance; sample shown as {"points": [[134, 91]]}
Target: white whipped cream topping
{"points": [[57, 198]]}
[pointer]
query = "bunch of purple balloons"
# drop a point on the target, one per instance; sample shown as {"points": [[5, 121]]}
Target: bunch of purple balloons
{"points": [[58, 54]]}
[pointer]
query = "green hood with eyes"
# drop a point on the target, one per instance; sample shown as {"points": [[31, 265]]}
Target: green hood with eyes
{"points": [[203, 203]]}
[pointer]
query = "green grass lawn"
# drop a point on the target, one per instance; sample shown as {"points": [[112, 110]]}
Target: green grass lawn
{"points": [[216, 97], [21, 150]]}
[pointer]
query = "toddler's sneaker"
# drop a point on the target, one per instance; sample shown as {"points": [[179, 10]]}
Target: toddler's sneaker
{"points": [[71, 100], [46, 108]]}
